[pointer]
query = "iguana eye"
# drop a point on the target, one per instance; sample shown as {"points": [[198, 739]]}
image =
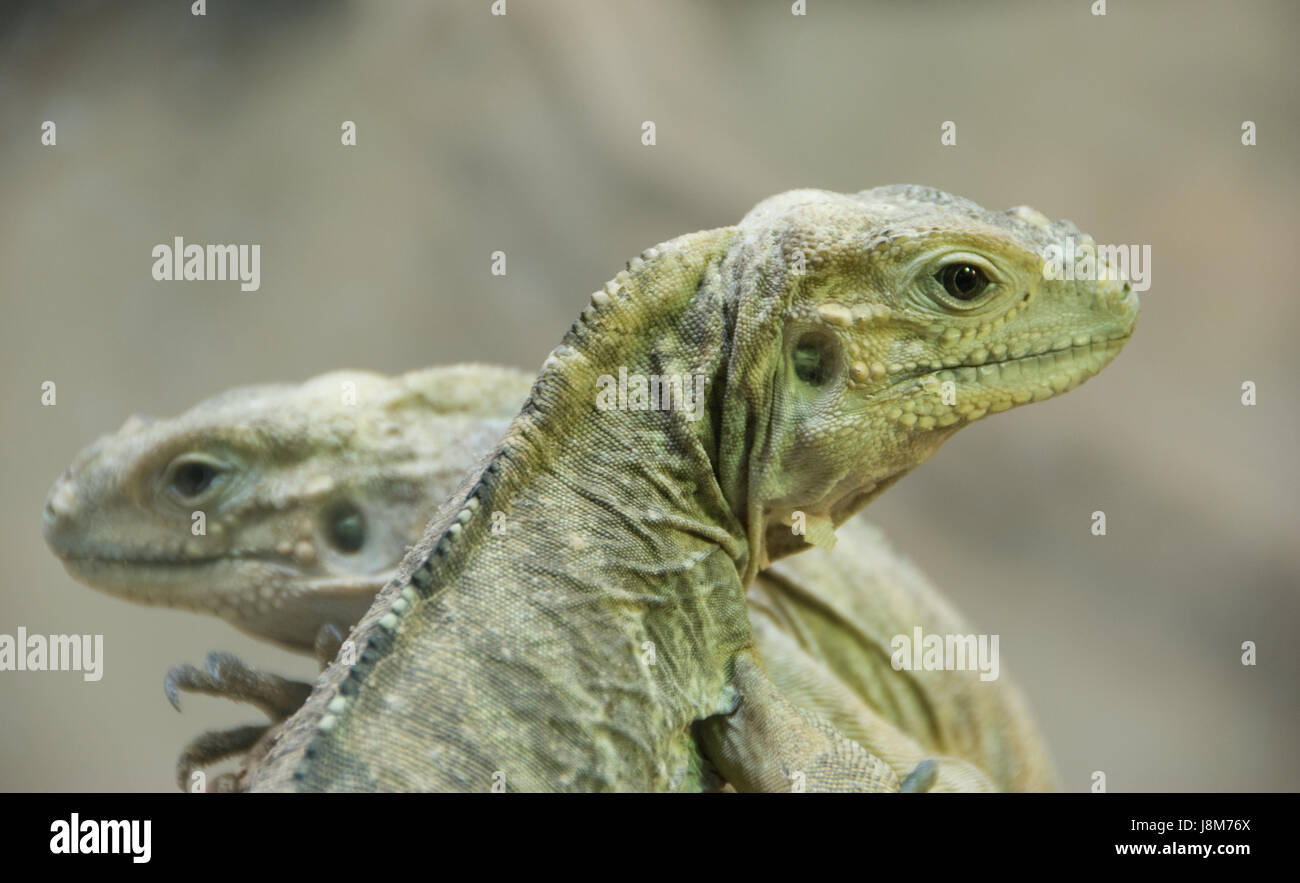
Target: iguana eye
{"points": [[962, 281], [191, 478], [345, 527]]}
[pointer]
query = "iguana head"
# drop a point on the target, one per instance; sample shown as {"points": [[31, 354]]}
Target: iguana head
{"points": [[894, 317], [280, 508]]}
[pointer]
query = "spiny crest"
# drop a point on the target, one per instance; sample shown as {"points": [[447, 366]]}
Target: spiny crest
{"points": [[600, 316], [380, 639]]}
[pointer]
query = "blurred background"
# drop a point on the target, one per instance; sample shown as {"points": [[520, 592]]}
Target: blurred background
{"points": [[523, 133]]}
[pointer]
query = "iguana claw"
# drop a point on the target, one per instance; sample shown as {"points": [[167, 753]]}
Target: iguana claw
{"points": [[213, 746], [921, 778], [230, 677], [328, 642]]}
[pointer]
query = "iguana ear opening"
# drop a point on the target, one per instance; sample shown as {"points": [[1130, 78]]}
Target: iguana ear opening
{"points": [[815, 359], [801, 450]]}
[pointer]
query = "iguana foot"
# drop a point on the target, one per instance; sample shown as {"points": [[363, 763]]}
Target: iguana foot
{"points": [[228, 676], [214, 746], [770, 744]]}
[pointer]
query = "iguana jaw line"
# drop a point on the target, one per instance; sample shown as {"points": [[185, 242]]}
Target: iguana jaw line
{"points": [[132, 577], [916, 402], [257, 595], [1075, 355], [267, 558]]}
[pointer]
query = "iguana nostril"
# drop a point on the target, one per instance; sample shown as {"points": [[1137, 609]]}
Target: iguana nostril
{"points": [[62, 500], [58, 521]]}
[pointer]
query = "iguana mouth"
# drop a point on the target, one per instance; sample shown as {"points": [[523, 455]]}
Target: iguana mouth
{"points": [[1028, 365], [1056, 356], [263, 557], [101, 571]]}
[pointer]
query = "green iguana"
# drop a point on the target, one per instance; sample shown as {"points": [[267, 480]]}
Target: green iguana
{"points": [[823, 626], [839, 340]]}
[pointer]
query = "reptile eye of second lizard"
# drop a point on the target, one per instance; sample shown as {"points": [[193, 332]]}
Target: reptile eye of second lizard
{"points": [[192, 479]]}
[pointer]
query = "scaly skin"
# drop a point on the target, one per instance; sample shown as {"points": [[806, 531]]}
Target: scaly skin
{"points": [[822, 626], [824, 326], [289, 478], [824, 623]]}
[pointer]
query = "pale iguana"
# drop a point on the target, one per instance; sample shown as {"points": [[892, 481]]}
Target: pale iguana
{"points": [[310, 491], [824, 329]]}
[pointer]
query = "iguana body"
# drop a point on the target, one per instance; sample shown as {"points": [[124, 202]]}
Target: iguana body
{"points": [[822, 326], [806, 610]]}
